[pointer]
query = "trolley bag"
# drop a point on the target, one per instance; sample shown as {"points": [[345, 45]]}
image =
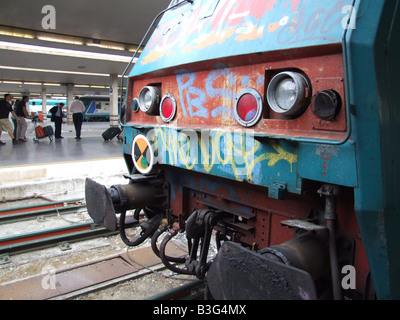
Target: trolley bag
{"points": [[120, 137], [110, 133], [48, 131], [39, 131]]}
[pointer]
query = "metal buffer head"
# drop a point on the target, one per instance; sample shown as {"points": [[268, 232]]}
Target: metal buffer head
{"points": [[100, 205], [147, 193]]}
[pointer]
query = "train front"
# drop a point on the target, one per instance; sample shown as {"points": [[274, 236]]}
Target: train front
{"points": [[238, 133]]}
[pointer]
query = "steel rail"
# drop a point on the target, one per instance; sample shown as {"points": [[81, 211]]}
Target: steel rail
{"points": [[46, 238], [28, 212], [189, 291]]}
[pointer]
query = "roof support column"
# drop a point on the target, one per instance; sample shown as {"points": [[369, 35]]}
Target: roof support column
{"points": [[70, 98], [114, 100], [44, 103]]}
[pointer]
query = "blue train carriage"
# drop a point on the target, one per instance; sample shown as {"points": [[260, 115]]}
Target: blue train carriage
{"points": [[97, 107], [273, 126]]}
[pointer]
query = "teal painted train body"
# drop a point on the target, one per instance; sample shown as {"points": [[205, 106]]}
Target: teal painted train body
{"points": [[275, 124]]}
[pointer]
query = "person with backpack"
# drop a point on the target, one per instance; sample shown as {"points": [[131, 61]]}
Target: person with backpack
{"points": [[57, 116]]}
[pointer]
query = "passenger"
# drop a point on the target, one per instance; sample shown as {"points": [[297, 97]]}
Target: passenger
{"points": [[22, 113], [57, 116], [14, 120], [5, 124], [77, 108]]}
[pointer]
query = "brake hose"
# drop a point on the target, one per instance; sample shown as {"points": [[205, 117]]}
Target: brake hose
{"points": [[163, 258]]}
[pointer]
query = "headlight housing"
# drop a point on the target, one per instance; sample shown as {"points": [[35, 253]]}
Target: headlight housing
{"points": [[135, 105], [168, 107], [149, 100], [248, 107], [288, 93]]}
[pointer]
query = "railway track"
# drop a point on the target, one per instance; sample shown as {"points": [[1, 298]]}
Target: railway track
{"points": [[30, 229], [71, 231]]}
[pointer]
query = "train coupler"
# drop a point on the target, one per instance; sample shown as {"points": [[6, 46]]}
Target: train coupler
{"points": [[147, 194]]}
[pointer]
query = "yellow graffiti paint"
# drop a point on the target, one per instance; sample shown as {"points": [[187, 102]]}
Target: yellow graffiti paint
{"points": [[177, 147]]}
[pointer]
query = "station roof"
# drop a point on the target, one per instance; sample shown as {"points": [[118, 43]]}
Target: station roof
{"points": [[91, 40]]}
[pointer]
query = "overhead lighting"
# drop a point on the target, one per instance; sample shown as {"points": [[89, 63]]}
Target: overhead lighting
{"points": [[106, 45], [52, 84], [7, 31], [22, 33], [55, 71], [134, 49], [62, 52], [69, 40], [12, 82], [33, 83]]}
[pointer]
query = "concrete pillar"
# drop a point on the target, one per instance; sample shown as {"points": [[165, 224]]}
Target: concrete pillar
{"points": [[114, 100], [70, 98], [44, 103]]}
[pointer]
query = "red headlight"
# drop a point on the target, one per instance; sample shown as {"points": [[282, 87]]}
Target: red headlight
{"points": [[168, 107], [248, 108]]}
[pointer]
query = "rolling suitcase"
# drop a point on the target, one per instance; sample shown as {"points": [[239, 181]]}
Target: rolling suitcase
{"points": [[43, 132], [110, 133], [39, 131], [120, 137], [48, 131]]}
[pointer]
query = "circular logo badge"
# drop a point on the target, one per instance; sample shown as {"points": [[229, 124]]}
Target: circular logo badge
{"points": [[142, 154]]}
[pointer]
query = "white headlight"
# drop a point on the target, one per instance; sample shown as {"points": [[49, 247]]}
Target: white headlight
{"points": [[288, 93], [149, 100]]}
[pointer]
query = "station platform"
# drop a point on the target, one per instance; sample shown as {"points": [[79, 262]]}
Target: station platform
{"points": [[57, 169]]}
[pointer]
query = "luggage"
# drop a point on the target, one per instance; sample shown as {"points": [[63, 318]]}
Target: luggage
{"points": [[48, 131], [110, 133], [42, 132], [120, 137], [39, 131]]}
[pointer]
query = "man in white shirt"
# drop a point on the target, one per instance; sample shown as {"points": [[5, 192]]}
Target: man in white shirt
{"points": [[77, 108]]}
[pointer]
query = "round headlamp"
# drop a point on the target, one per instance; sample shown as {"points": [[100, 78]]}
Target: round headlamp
{"points": [[149, 100], [135, 105], [248, 107], [288, 93], [168, 107], [327, 104]]}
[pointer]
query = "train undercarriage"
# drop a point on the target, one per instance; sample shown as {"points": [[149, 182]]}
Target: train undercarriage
{"points": [[286, 247]]}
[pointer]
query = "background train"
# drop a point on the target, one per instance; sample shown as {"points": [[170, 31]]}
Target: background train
{"points": [[35, 105], [273, 128], [97, 107]]}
